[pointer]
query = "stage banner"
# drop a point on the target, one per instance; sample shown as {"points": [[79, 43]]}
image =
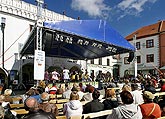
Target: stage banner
{"points": [[39, 65]]}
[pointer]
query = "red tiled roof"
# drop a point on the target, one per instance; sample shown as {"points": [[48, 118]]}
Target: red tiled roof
{"points": [[148, 30]]}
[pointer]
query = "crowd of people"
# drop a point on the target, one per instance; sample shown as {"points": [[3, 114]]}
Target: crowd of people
{"points": [[134, 99]]}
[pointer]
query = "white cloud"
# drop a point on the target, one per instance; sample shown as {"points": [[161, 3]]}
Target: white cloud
{"points": [[133, 7], [97, 8], [94, 8]]}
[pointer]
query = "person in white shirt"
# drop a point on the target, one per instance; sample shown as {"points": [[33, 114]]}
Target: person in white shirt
{"points": [[137, 94], [66, 77]]}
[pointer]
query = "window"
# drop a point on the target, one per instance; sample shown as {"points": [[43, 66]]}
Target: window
{"points": [[150, 58], [138, 59], [92, 61], [125, 60], [149, 43], [108, 62], [100, 61], [138, 45]]}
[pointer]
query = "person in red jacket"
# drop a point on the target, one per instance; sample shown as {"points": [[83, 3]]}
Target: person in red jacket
{"points": [[149, 109]]}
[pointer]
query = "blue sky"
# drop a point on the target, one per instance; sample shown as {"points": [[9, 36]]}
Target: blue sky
{"points": [[125, 16]]}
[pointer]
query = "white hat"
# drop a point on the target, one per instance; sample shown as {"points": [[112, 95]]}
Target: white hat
{"points": [[7, 92]]}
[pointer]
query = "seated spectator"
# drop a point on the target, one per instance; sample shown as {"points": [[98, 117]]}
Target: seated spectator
{"points": [[46, 106], [60, 90], [150, 87], [137, 94], [33, 92], [127, 110], [77, 88], [126, 88], [110, 101], [150, 110], [82, 88], [94, 105], [2, 111], [53, 89], [47, 88], [66, 93], [88, 95], [74, 106], [7, 96], [162, 85], [32, 106]]}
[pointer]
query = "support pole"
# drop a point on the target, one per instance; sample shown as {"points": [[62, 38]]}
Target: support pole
{"points": [[135, 59], [39, 27]]}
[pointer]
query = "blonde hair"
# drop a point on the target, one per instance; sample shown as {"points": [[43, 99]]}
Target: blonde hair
{"points": [[126, 88], [110, 93], [74, 95]]}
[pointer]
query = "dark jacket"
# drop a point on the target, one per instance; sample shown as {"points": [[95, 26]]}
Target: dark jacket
{"points": [[110, 103], [40, 114], [93, 106]]}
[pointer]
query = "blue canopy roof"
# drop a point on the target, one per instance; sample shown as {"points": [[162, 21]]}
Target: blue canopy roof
{"points": [[79, 39]]}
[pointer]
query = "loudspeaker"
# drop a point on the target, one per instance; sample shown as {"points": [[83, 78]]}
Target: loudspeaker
{"points": [[131, 56]]}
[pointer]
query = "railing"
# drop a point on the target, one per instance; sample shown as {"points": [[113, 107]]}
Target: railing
{"points": [[21, 8]]}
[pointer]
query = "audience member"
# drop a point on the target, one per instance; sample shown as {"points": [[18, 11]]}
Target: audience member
{"points": [[32, 106], [7, 96], [77, 88], [126, 88], [53, 89], [162, 85], [60, 89], [74, 106], [67, 92], [110, 101], [46, 106], [137, 94], [33, 92], [127, 110], [94, 105], [88, 95], [150, 110], [150, 87]]}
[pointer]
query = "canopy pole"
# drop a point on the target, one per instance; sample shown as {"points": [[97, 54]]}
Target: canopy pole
{"points": [[135, 59], [39, 28]]}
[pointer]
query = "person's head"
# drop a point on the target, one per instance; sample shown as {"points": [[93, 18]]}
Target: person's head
{"points": [[30, 92], [95, 94], [75, 88], [126, 88], [134, 86], [45, 96], [110, 93], [31, 104], [126, 81], [8, 92], [148, 97], [126, 97], [74, 95], [91, 89]]}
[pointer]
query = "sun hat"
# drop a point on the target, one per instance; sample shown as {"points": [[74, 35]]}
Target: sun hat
{"points": [[148, 95], [7, 92]]}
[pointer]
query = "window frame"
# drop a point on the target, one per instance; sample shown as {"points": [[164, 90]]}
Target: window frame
{"points": [[148, 58], [150, 43], [125, 60]]}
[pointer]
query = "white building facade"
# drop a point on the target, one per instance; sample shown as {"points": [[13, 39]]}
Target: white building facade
{"points": [[142, 57]]}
